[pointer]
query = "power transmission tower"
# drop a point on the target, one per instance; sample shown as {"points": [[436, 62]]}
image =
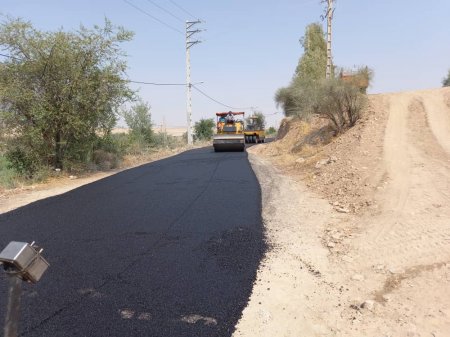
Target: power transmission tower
{"points": [[189, 43], [329, 16]]}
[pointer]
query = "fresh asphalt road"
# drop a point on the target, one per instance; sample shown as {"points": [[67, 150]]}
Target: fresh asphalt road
{"points": [[170, 248]]}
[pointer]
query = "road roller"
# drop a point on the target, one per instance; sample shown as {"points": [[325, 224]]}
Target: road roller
{"points": [[230, 132]]}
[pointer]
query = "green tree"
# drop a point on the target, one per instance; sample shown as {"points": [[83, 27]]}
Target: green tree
{"points": [[60, 91], [446, 81], [294, 99], [312, 64], [271, 130], [203, 129], [139, 120]]}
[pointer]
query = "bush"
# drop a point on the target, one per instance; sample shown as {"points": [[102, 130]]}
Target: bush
{"points": [[341, 102], [298, 99], [23, 162], [105, 160], [203, 129], [163, 139], [7, 174], [271, 131], [139, 120]]}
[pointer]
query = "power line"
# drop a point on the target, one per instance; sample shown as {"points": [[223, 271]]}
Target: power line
{"points": [[275, 113], [153, 17], [216, 101], [165, 10], [182, 9], [154, 83]]}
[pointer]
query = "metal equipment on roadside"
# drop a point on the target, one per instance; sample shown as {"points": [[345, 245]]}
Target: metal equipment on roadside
{"points": [[254, 131], [230, 132], [21, 262]]}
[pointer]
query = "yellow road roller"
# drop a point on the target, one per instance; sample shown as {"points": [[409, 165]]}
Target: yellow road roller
{"points": [[230, 132]]}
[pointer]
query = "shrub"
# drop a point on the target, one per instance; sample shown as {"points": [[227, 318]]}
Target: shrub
{"points": [[139, 119], [23, 162], [203, 129], [7, 174], [271, 131], [105, 160], [339, 102]]}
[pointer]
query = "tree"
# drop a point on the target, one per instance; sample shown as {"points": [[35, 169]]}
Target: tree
{"points": [[310, 70], [312, 64], [271, 130], [203, 129], [60, 91], [139, 120], [446, 81]]}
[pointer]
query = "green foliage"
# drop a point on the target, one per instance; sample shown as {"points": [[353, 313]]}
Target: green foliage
{"points": [[446, 81], [23, 161], [162, 139], [203, 129], [60, 91], [256, 121], [340, 102], [298, 98], [7, 174], [312, 64], [139, 120], [271, 131], [311, 69]]}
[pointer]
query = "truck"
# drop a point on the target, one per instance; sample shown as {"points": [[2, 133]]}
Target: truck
{"points": [[254, 131]]}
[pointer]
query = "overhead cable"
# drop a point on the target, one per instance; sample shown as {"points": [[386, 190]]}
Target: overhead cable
{"points": [[165, 10], [154, 83], [182, 9], [218, 102], [153, 17]]}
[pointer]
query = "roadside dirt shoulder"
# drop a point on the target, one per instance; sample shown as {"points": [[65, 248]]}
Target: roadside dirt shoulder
{"points": [[293, 293], [378, 246]]}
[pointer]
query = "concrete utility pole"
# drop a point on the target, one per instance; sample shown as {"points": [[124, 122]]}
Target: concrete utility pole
{"points": [[330, 12], [189, 44]]}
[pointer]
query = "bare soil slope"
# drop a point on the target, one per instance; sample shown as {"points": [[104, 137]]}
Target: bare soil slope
{"points": [[374, 260]]}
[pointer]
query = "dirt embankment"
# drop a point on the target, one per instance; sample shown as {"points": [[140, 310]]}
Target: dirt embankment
{"points": [[359, 224]]}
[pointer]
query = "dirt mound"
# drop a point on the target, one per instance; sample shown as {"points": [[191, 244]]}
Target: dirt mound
{"points": [[339, 168], [387, 271]]}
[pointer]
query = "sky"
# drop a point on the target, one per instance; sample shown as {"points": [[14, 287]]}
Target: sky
{"points": [[250, 48]]}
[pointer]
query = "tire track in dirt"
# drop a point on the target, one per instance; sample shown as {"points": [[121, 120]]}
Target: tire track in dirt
{"points": [[412, 227]]}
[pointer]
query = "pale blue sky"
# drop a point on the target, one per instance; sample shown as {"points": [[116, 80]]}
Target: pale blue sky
{"points": [[251, 47]]}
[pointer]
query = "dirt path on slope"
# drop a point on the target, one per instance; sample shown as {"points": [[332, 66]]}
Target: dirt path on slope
{"points": [[382, 272]]}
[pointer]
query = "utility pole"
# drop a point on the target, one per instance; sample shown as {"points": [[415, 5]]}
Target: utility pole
{"points": [[189, 43], [330, 12]]}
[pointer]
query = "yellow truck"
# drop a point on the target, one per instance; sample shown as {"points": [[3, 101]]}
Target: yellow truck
{"points": [[254, 131]]}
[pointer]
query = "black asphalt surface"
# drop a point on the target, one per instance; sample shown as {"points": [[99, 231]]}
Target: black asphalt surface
{"points": [[170, 248]]}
